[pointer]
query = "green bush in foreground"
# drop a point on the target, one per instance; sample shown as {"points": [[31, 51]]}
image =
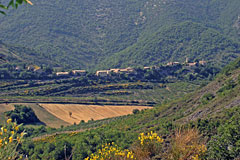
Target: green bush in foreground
{"points": [[226, 144]]}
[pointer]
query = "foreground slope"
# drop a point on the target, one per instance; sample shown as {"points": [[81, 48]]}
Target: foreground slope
{"points": [[221, 94]]}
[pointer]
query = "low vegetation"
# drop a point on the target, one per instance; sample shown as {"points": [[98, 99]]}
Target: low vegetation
{"points": [[225, 144]]}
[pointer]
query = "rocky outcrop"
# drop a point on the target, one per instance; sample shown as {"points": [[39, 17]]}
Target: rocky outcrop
{"points": [[237, 23]]}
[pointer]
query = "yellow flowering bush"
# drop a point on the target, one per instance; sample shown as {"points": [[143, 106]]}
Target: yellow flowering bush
{"points": [[185, 145], [111, 151], [9, 140], [149, 138], [148, 145]]}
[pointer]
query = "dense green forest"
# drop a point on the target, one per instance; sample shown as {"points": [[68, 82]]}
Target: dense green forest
{"points": [[19, 55], [83, 34], [176, 43]]}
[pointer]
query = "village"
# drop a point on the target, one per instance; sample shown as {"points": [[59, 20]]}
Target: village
{"points": [[32, 71], [128, 70]]}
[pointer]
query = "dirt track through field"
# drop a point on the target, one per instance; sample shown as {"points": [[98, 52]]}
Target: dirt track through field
{"points": [[88, 112]]}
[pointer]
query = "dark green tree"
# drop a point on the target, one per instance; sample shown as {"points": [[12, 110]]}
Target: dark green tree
{"points": [[22, 114]]}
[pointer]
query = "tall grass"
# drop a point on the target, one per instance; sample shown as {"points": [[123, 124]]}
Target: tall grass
{"points": [[187, 144]]}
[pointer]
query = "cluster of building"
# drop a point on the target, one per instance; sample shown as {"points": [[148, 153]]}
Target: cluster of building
{"points": [[104, 73], [187, 63], [128, 70], [73, 72], [100, 73], [37, 69], [32, 68]]}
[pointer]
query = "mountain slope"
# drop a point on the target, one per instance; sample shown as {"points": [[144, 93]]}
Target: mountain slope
{"points": [[81, 34], [72, 32], [176, 43], [18, 54]]}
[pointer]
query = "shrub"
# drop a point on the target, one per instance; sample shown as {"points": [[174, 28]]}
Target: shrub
{"points": [[135, 111], [111, 152], [82, 121], [226, 144], [22, 114], [147, 146], [10, 140], [239, 79], [227, 87], [186, 145], [207, 97]]}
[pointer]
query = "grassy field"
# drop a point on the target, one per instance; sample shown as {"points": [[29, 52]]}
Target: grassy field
{"points": [[88, 112]]}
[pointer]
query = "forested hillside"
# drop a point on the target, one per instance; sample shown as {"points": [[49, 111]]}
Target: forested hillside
{"points": [[16, 54], [82, 34], [176, 43]]}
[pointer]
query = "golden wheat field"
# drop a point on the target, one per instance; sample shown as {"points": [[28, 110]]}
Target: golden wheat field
{"points": [[74, 113]]}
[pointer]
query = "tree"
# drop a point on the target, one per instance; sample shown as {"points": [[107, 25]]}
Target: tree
{"points": [[22, 114], [14, 4], [135, 111], [70, 114]]}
